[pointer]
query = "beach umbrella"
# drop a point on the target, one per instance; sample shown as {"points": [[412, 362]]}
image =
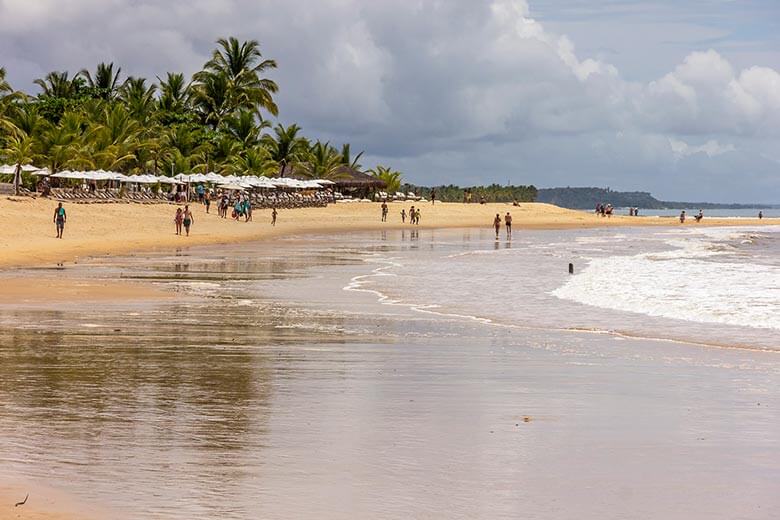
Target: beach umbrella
{"points": [[232, 187], [10, 169]]}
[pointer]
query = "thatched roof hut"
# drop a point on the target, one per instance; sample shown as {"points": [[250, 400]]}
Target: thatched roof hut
{"points": [[346, 178]]}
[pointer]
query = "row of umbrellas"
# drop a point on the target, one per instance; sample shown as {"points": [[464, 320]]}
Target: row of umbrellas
{"points": [[223, 181]]}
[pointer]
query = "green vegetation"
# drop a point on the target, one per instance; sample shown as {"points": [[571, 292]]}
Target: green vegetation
{"points": [[214, 122], [491, 193]]}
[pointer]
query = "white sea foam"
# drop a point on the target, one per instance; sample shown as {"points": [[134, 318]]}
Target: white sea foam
{"points": [[694, 282]]}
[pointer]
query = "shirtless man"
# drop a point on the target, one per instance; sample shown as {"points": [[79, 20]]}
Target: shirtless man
{"points": [[59, 219], [497, 224], [508, 222]]}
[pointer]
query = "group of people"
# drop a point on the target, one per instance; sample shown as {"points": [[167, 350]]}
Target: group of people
{"points": [[633, 212], [183, 218], [414, 215], [507, 223], [698, 217], [605, 210]]}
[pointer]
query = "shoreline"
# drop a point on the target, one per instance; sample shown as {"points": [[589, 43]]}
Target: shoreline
{"points": [[95, 230]]}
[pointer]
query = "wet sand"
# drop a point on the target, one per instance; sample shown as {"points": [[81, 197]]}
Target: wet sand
{"points": [[27, 234], [255, 396]]}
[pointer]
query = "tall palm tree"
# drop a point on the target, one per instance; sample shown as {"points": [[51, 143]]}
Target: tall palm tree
{"points": [[19, 150], [286, 147], [324, 162], [241, 65], [212, 99], [105, 80], [254, 161]]}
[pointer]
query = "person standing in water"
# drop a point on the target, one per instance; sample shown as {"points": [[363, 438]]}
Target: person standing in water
{"points": [[384, 211], [403, 216], [59, 219], [682, 217], [760, 215], [273, 216], [508, 222], [497, 224], [188, 219]]}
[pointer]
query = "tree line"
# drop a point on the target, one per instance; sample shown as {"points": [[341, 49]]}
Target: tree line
{"points": [[491, 193], [215, 121]]}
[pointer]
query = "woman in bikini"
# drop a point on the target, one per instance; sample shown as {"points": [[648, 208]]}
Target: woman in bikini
{"points": [[178, 220]]}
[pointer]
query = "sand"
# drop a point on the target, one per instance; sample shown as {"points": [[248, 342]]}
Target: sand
{"points": [[28, 237]]}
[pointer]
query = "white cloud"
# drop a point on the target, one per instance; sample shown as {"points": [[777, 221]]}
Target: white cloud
{"points": [[443, 88]]}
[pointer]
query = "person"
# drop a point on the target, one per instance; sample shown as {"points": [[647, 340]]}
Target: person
{"points": [[384, 211], [682, 217], [515, 203], [699, 216], [433, 195], [508, 222], [178, 220], [636, 212], [188, 219], [403, 216], [224, 205], [417, 216], [411, 215], [273, 216], [609, 210], [630, 212], [247, 209], [760, 215], [238, 209], [59, 219], [598, 208], [207, 201], [482, 199], [465, 196], [200, 191], [497, 224], [468, 196]]}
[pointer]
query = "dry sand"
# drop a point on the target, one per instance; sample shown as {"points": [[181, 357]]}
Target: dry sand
{"points": [[27, 234]]}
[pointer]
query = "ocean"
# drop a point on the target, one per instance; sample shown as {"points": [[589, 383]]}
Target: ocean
{"points": [[409, 374]]}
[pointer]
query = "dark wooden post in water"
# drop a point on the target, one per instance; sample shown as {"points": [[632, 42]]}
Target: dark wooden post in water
{"points": [[571, 268]]}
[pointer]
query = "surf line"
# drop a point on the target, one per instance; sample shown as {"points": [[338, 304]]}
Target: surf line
{"points": [[356, 284]]}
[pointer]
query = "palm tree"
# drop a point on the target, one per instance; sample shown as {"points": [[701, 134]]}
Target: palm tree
{"points": [[287, 148], [324, 162], [212, 99], [59, 85], [347, 160], [241, 65], [174, 93], [391, 177], [7, 98], [105, 80], [254, 161], [138, 97], [19, 150], [243, 128]]}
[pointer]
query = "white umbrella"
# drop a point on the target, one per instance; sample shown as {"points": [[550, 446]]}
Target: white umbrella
{"points": [[232, 187], [9, 169]]}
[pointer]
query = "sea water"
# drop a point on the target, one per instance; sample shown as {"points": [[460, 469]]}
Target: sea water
{"points": [[718, 286]]}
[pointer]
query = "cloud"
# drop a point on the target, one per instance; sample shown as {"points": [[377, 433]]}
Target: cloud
{"points": [[455, 91]]}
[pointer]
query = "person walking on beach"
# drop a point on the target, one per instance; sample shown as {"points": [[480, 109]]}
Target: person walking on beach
{"points": [[411, 215], [508, 222], [188, 219], [59, 219], [417, 217], [682, 217], [247, 210], [207, 201], [178, 219], [699, 217], [384, 211], [497, 224], [433, 196], [403, 216], [760, 215], [273, 216]]}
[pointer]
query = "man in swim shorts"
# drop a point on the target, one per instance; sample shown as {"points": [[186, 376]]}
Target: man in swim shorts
{"points": [[59, 219], [508, 222]]}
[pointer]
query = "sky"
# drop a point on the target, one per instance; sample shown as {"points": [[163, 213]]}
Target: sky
{"points": [[677, 97]]}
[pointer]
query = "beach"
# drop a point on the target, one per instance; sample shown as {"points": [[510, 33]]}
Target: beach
{"points": [[394, 374], [27, 234]]}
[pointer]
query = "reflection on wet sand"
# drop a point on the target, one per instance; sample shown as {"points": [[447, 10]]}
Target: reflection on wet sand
{"points": [[265, 391]]}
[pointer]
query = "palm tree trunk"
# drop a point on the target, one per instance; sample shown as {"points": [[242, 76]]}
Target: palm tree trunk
{"points": [[17, 178]]}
